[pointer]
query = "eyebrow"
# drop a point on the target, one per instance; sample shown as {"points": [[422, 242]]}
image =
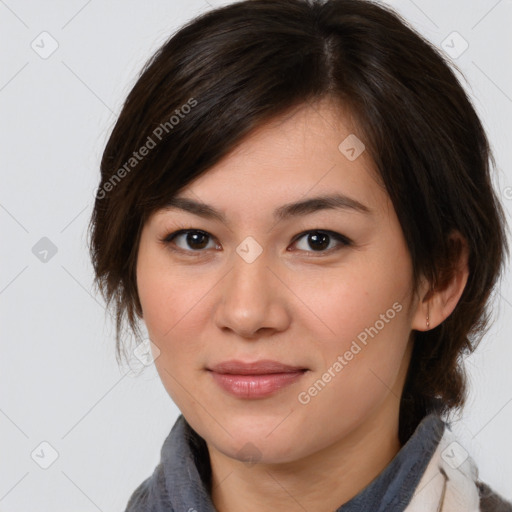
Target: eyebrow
{"points": [[299, 208]]}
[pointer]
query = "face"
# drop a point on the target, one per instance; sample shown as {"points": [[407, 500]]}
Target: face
{"points": [[323, 290]]}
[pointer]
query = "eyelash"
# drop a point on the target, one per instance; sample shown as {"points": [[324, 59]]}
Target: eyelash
{"points": [[168, 239]]}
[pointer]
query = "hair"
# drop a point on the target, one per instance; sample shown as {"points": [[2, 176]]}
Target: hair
{"points": [[231, 69]]}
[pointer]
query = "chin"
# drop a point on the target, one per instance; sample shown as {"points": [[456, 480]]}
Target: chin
{"points": [[260, 451], [255, 440]]}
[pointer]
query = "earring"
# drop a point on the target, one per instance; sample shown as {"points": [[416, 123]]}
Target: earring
{"points": [[428, 323]]}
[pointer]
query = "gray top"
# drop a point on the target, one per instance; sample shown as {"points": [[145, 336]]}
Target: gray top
{"points": [[180, 482]]}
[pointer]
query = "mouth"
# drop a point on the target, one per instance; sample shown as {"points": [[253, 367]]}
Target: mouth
{"points": [[257, 379], [262, 367]]}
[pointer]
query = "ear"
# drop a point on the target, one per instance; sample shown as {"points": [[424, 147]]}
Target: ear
{"points": [[440, 302]]}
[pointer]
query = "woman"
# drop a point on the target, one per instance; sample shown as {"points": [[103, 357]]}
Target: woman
{"points": [[296, 200]]}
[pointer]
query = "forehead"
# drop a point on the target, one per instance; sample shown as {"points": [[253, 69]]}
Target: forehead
{"points": [[315, 149]]}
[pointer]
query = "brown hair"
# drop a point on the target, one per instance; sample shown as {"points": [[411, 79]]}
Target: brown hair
{"points": [[231, 69]]}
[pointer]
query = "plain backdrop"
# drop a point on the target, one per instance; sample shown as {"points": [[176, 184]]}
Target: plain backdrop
{"points": [[65, 70]]}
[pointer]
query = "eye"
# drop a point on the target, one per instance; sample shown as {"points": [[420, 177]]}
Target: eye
{"points": [[195, 241], [191, 239], [320, 241]]}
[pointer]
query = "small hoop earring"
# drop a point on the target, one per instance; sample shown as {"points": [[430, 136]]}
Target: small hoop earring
{"points": [[428, 323]]}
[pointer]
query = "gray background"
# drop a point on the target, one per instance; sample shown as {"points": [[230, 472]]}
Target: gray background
{"points": [[59, 382]]}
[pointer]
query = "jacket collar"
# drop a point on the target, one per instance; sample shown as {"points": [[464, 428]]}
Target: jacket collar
{"points": [[431, 472], [187, 484]]}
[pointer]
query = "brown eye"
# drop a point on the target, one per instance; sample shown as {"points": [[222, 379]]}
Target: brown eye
{"points": [[196, 241], [189, 240], [320, 241]]}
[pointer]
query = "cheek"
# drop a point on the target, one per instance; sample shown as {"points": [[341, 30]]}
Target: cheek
{"points": [[371, 293], [168, 296], [363, 363], [170, 304], [155, 298], [362, 321], [173, 300]]}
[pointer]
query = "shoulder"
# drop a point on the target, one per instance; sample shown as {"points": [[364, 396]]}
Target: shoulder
{"points": [[151, 495], [491, 501], [139, 497]]}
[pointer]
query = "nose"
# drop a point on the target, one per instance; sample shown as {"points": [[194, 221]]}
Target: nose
{"points": [[252, 299]]}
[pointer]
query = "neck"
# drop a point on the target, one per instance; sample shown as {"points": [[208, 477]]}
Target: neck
{"points": [[322, 481]]}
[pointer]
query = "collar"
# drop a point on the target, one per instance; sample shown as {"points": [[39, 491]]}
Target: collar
{"points": [[429, 472], [392, 488]]}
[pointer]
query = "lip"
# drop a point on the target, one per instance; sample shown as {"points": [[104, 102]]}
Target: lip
{"points": [[257, 379], [261, 367]]}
